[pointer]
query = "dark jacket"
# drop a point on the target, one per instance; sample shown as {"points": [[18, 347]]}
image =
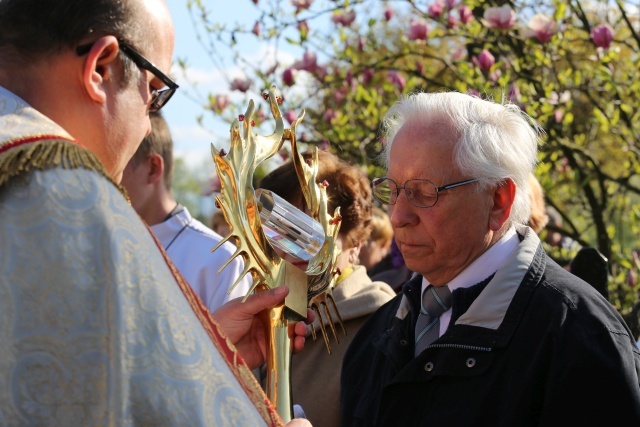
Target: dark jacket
{"points": [[532, 345]]}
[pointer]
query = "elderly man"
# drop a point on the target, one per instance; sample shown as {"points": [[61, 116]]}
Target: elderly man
{"points": [[491, 332], [98, 327]]}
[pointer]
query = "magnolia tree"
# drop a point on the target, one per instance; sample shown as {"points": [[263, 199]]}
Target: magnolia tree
{"points": [[571, 65]]}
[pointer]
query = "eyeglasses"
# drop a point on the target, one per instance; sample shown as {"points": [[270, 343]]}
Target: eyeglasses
{"points": [[159, 97], [422, 193]]}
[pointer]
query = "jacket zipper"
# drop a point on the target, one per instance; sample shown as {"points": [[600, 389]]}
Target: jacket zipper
{"points": [[460, 347]]}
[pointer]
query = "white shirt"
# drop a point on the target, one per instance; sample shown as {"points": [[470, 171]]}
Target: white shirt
{"points": [[188, 243], [484, 266]]}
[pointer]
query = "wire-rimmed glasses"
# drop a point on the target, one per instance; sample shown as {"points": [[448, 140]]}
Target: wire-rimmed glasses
{"points": [[422, 193]]}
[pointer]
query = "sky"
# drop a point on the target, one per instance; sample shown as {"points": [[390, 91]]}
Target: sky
{"points": [[192, 140]]}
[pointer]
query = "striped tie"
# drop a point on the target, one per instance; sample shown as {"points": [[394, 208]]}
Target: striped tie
{"points": [[435, 301]]}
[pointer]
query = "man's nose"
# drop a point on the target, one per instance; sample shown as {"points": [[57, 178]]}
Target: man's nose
{"points": [[401, 212]]}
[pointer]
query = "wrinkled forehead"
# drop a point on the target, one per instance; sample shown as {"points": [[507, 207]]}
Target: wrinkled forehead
{"points": [[423, 149]]}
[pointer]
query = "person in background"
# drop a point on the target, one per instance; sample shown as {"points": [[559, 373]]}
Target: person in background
{"points": [[538, 218], [315, 374], [188, 242], [491, 331], [219, 224], [588, 263], [379, 243], [556, 239], [98, 326]]}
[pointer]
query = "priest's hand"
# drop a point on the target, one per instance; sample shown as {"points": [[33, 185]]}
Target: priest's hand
{"points": [[298, 422], [240, 322]]}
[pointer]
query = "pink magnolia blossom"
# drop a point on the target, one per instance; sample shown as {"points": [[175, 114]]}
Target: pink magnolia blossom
{"points": [[419, 30], [240, 84], [345, 18], [324, 145], [339, 95], [500, 18], [419, 67], [474, 92], [388, 14], [450, 4], [558, 115], [303, 26], [435, 9], [541, 27], [514, 93], [321, 73], [301, 4], [555, 99], [361, 43], [284, 154], [485, 60], [395, 78], [632, 278], [329, 115], [348, 79], [222, 101], [452, 21], [367, 76], [466, 15], [602, 35], [256, 29], [459, 53], [288, 77], [213, 185], [290, 116], [308, 63]]}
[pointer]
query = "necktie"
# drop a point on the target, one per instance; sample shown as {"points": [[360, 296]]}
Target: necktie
{"points": [[435, 301]]}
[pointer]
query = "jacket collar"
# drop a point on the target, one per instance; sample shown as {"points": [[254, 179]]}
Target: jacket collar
{"points": [[489, 308]]}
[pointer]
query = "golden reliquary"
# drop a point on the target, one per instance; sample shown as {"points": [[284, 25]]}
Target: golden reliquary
{"points": [[242, 207]]}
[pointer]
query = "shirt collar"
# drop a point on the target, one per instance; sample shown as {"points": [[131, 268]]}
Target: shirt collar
{"points": [[486, 264]]}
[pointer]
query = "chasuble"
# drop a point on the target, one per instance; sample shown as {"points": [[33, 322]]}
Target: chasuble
{"points": [[97, 327]]}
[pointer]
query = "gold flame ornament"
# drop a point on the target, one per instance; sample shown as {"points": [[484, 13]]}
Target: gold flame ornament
{"points": [[241, 210]]}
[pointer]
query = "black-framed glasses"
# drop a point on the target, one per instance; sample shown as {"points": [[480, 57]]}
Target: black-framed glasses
{"points": [[159, 97], [422, 193]]}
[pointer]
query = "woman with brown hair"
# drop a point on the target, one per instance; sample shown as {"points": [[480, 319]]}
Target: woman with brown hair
{"points": [[315, 372]]}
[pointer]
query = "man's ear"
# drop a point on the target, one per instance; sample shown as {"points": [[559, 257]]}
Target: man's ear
{"points": [[354, 253], [503, 197], [156, 168], [99, 67]]}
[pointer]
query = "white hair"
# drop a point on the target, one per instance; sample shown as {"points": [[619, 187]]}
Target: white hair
{"points": [[493, 142]]}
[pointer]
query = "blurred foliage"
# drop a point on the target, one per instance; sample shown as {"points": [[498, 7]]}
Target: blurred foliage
{"points": [[187, 189], [584, 94]]}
